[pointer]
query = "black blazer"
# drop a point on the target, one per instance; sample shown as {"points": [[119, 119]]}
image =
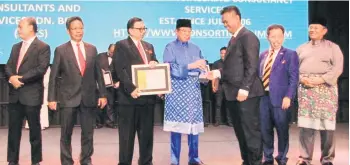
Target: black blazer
{"points": [[74, 88], [125, 55], [103, 62], [33, 69], [241, 64]]}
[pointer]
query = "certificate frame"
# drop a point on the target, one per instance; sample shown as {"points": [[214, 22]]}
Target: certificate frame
{"points": [[108, 75], [164, 68]]}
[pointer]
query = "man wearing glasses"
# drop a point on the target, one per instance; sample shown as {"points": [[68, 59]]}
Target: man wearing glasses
{"points": [[135, 111]]}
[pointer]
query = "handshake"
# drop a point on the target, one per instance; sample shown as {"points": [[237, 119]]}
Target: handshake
{"points": [[207, 74]]}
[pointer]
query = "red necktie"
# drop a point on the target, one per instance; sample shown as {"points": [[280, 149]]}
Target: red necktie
{"points": [[81, 60], [142, 53]]}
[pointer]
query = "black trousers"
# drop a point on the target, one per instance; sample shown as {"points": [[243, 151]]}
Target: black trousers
{"points": [[17, 113], [246, 123], [219, 97], [87, 122], [109, 114], [132, 119]]}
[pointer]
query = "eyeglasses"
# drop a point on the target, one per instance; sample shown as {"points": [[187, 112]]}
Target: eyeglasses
{"points": [[141, 29]]}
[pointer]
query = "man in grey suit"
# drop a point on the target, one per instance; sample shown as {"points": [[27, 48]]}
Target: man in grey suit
{"points": [[242, 85], [75, 62]]}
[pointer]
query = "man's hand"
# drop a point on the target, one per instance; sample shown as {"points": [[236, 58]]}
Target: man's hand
{"points": [[153, 64], [53, 105], [215, 85], [285, 103], [102, 102], [15, 82], [316, 81], [199, 64], [241, 97], [116, 85], [135, 94]]}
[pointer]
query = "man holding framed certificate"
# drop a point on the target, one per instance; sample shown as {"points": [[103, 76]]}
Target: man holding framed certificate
{"points": [[136, 112]]}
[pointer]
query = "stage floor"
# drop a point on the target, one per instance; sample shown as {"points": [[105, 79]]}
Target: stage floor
{"points": [[217, 146]]}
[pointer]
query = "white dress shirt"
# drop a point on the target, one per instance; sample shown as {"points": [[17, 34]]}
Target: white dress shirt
{"points": [[109, 59]]}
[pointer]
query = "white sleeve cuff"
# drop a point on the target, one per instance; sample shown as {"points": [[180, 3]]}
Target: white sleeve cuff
{"points": [[243, 92], [217, 74]]}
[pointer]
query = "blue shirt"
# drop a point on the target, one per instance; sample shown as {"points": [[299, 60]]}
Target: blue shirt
{"points": [[179, 54]]}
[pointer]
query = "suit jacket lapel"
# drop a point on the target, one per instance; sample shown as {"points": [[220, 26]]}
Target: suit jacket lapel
{"points": [[70, 53], [32, 47], [262, 62], [278, 58], [16, 52], [105, 63], [147, 51], [134, 49], [233, 41], [88, 54]]}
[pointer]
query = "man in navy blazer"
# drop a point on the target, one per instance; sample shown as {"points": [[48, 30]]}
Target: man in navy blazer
{"points": [[279, 72]]}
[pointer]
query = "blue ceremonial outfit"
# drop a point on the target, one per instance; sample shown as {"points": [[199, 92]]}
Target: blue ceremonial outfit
{"points": [[183, 107]]}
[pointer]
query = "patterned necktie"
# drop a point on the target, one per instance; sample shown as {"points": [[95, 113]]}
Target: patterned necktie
{"points": [[142, 53], [22, 52], [267, 70], [81, 60]]}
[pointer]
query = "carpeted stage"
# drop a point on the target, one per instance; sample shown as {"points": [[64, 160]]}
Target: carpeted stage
{"points": [[218, 146]]}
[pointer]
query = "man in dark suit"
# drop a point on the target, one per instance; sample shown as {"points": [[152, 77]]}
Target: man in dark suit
{"points": [[242, 85], [25, 68], [279, 71], [219, 93], [135, 111], [75, 63], [108, 114]]}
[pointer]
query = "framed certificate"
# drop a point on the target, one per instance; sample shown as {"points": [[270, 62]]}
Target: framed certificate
{"points": [[151, 81], [107, 77]]}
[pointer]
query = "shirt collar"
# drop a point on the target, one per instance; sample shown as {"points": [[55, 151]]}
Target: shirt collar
{"points": [[237, 31], [30, 40], [74, 43], [317, 42], [135, 41], [182, 43], [276, 50]]}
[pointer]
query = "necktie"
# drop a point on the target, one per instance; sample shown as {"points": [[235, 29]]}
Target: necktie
{"points": [[81, 60], [22, 52], [142, 53], [232, 40], [267, 70]]}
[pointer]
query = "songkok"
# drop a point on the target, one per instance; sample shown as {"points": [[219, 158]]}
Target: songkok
{"points": [[183, 23], [320, 21]]}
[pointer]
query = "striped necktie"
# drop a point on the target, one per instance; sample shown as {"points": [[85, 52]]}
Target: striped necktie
{"points": [[267, 70]]}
